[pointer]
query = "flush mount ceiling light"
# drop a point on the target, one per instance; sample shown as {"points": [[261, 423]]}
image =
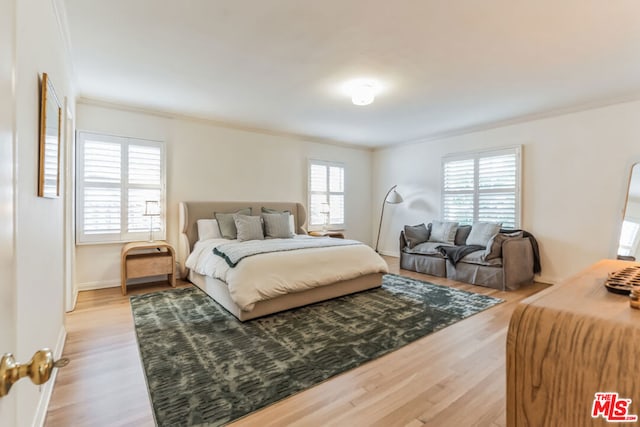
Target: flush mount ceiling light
{"points": [[362, 91]]}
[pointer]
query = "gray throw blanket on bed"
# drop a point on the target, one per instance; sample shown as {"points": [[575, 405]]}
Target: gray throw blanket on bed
{"points": [[234, 252]]}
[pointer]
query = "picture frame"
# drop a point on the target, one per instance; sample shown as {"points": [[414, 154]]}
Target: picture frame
{"points": [[49, 151]]}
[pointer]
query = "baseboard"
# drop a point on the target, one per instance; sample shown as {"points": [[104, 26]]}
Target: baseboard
{"points": [[390, 253], [47, 389], [101, 284], [546, 280]]}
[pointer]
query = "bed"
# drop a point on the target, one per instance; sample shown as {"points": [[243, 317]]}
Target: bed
{"points": [[342, 280]]}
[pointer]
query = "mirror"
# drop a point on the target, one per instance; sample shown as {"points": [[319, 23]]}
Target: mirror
{"points": [[629, 246], [49, 162]]}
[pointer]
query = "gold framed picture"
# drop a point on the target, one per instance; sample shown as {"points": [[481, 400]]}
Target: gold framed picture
{"points": [[49, 159]]}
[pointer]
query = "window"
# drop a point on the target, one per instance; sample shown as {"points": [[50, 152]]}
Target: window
{"points": [[115, 176], [629, 238], [326, 194], [482, 186]]}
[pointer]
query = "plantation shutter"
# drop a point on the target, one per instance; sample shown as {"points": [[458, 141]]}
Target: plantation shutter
{"points": [[115, 176], [482, 186], [326, 194]]}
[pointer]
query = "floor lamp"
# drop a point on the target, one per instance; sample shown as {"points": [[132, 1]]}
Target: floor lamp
{"points": [[393, 198]]}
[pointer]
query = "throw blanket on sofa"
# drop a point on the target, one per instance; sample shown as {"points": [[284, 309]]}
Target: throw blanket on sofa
{"points": [[456, 253], [234, 252]]}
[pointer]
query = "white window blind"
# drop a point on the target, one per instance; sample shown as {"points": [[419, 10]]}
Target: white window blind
{"points": [[115, 176], [482, 186], [326, 194]]}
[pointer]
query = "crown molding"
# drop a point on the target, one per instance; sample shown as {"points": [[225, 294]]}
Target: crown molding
{"points": [[60, 12], [556, 112], [220, 123]]}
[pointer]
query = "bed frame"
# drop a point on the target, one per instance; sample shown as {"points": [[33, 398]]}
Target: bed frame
{"points": [[190, 212]]}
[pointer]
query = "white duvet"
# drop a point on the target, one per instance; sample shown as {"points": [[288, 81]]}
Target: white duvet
{"points": [[266, 276]]}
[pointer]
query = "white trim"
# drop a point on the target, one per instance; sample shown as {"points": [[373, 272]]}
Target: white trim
{"points": [[394, 254], [100, 284], [115, 283], [545, 280], [123, 186], [476, 155], [227, 124], [328, 164], [525, 118], [60, 12], [47, 388]]}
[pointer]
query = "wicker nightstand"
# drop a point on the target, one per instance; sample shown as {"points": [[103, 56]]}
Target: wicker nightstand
{"points": [[143, 259]]}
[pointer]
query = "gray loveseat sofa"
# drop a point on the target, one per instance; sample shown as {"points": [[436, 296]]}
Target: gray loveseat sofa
{"points": [[507, 262]]}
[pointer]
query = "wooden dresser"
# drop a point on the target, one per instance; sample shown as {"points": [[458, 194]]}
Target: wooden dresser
{"points": [[567, 343]]}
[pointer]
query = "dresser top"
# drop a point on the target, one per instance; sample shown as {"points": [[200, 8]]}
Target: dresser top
{"points": [[585, 294]]}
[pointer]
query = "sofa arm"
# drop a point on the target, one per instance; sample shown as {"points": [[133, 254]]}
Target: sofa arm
{"points": [[403, 241], [517, 262]]}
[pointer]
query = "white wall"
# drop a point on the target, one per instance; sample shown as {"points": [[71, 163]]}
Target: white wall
{"points": [[209, 162], [8, 404], [39, 222], [575, 173]]}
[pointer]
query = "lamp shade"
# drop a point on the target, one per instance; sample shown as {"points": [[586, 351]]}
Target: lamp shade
{"points": [[394, 198], [151, 208]]}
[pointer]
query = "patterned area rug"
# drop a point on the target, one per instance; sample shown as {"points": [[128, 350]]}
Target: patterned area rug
{"points": [[203, 366]]}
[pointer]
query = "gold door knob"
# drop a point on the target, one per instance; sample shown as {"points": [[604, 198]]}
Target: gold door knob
{"points": [[39, 369]]}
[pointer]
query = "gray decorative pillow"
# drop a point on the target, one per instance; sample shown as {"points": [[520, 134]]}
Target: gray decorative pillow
{"points": [[272, 211], [494, 246], [482, 232], [249, 227], [277, 225], [462, 234], [443, 231], [227, 224], [416, 234]]}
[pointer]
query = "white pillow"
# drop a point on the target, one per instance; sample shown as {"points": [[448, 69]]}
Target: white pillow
{"points": [[208, 229], [292, 224], [482, 232], [443, 232]]}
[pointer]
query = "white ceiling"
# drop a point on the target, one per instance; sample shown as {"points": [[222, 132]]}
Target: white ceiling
{"points": [[278, 65]]}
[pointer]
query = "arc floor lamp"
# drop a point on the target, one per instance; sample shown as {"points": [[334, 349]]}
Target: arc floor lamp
{"points": [[393, 198]]}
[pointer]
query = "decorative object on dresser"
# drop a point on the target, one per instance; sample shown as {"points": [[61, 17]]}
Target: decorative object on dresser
{"points": [[144, 259], [203, 366], [335, 234], [568, 343], [508, 259], [622, 281], [393, 198]]}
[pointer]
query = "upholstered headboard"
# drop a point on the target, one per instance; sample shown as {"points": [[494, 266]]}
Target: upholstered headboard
{"points": [[190, 212]]}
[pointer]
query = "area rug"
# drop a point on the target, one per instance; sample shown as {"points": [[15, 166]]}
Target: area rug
{"points": [[203, 366]]}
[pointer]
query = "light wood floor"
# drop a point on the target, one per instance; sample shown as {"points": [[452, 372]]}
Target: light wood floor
{"points": [[454, 377]]}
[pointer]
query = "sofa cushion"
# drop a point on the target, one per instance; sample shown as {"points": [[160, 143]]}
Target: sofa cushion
{"points": [[482, 232], [478, 258], [426, 248], [443, 231], [462, 234], [416, 234]]}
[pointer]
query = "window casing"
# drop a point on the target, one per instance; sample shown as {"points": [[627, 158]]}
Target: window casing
{"points": [[482, 186], [326, 194], [115, 176]]}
